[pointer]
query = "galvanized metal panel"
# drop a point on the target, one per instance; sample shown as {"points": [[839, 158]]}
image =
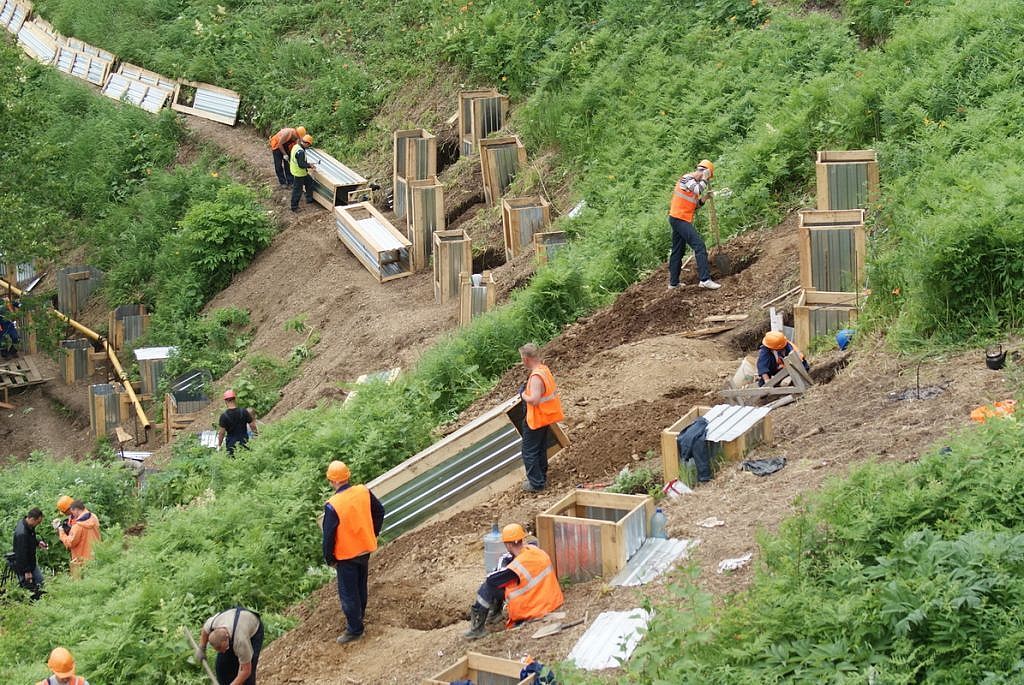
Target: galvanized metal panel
{"points": [[143, 95], [151, 362], [331, 168], [731, 421], [216, 102], [577, 550], [451, 260], [485, 678], [635, 528], [392, 267], [610, 639], [489, 119], [399, 197], [79, 348], [37, 43], [422, 169], [82, 46], [106, 395], [477, 300], [653, 558], [72, 295], [847, 185], [14, 15], [506, 159], [150, 78]]}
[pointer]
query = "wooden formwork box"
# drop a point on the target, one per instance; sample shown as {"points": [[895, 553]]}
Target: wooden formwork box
{"points": [[847, 179], [151, 361], [107, 402], [453, 254], [500, 161], [176, 420], [126, 323], [77, 362], [425, 217], [13, 14], [521, 219], [83, 65], [547, 245], [833, 250], [333, 182], [481, 113], [475, 300], [208, 102], [414, 158], [21, 274], [589, 533], [482, 670], [150, 78], [733, 450], [374, 241], [82, 46], [37, 42], [819, 313], [75, 284]]}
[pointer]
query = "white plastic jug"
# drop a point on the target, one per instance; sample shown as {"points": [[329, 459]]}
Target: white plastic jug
{"points": [[494, 548]]}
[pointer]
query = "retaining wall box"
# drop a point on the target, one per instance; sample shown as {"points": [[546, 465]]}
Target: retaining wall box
{"points": [[105, 402], [820, 313], [453, 254], [78, 363], [206, 102], [500, 161], [461, 470], [414, 157], [548, 244], [127, 323], [425, 217], [833, 248], [847, 179], [521, 219], [481, 113], [590, 533], [482, 670], [475, 300], [731, 450], [332, 180], [374, 241]]}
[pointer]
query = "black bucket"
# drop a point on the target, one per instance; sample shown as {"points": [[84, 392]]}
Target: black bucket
{"points": [[995, 357]]}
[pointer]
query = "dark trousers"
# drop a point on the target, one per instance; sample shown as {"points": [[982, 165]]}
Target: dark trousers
{"points": [[489, 595], [298, 184], [535, 454], [231, 443], [683, 234], [352, 577], [281, 168], [8, 347], [226, 664]]}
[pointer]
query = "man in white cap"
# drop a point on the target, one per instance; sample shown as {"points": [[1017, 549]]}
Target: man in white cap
{"points": [[235, 423], [689, 193]]}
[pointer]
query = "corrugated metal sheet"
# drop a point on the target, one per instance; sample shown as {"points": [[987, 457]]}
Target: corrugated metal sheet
{"points": [[488, 459], [107, 395], [825, 321], [451, 260], [506, 159], [36, 43], [393, 265], [151, 366], [187, 391], [833, 260], [73, 294], [423, 219], [610, 639], [400, 197], [331, 168], [136, 456], [208, 439], [150, 78], [13, 14], [847, 185], [485, 678], [79, 348], [79, 64], [146, 96], [82, 46], [477, 300], [551, 242], [653, 558], [217, 102], [577, 550], [727, 422], [531, 220]]}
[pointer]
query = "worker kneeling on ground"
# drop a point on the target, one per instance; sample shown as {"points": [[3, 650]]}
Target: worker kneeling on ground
{"points": [[237, 637], [63, 666], [526, 580], [775, 347]]}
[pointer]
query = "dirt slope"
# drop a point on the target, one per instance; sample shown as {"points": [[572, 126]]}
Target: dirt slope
{"points": [[626, 373]]}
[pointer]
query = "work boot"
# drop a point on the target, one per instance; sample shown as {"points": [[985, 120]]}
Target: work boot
{"points": [[494, 615], [477, 618], [347, 637]]}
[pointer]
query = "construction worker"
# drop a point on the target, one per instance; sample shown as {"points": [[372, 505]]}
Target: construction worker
{"points": [[775, 347], [526, 580], [353, 517], [64, 503], [235, 424], [62, 664], [543, 408], [9, 337], [690, 192], [26, 543], [281, 144], [300, 171], [237, 637], [84, 531]]}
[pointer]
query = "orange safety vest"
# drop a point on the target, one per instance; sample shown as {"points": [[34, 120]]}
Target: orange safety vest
{"points": [[281, 139], [549, 409], [354, 536], [75, 680], [684, 201], [537, 593]]}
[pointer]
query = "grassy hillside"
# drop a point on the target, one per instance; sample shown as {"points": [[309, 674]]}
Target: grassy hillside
{"points": [[628, 94]]}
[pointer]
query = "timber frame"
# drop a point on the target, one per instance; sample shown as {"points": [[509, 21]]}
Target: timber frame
{"points": [[830, 162], [481, 113], [471, 307], [819, 313], [833, 250], [414, 158], [453, 254], [521, 219], [383, 251], [500, 161], [470, 667], [732, 450]]}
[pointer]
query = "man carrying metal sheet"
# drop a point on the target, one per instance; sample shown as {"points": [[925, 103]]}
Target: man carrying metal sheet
{"points": [[687, 195], [300, 172], [281, 144], [543, 408], [353, 518], [525, 579]]}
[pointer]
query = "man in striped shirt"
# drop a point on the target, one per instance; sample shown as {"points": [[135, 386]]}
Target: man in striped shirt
{"points": [[690, 192]]}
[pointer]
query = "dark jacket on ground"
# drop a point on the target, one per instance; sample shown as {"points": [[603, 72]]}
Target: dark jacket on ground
{"points": [[25, 545], [331, 523], [692, 444]]}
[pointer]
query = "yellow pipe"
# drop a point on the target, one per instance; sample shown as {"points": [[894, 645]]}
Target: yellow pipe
{"points": [[111, 355]]}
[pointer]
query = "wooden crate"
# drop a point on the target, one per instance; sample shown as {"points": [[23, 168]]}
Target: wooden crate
{"points": [[847, 179], [414, 158], [13, 14], [425, 217], [82, 65], [151, 361], [521, 219], [126, 324], [453, 254], [500, 161], [589, 533], [820, 313], [206, 102], [333, 182], [74, 286], [548, 244], [180, 414], [39, 41], [106, 401], [475, 298], [481, 113], [833, 250], [759, 433], [77, 362], [462, 470], [374, 241], [482, 670]]}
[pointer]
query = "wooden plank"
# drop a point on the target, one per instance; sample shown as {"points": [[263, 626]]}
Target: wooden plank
{"points": [[711, 330], [609, 500], [825, 156], [804, 238], [724, 318], [821, 177]]}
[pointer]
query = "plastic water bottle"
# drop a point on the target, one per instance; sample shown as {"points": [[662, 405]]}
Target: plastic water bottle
{"points": [[494, 548], [658, 523]]}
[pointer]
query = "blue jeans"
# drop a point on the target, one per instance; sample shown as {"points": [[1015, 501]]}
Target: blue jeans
{"points": [[10, 330], [535, 454], [37, 579], [683, 234], [352, 577]]}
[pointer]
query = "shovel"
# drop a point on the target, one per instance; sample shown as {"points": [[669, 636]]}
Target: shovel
{"points": [[722, 261], [194, 646]]}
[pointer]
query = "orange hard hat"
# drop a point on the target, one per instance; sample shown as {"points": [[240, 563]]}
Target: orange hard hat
{"points": [[774, 340], [61, 663], [307, 139], [338, 471], [513, 532], [709, 165], [64, 503], [300, 131], [229, 394]]}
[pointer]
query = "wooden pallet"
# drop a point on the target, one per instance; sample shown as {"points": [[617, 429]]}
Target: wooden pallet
{"points": [[17, 373]]}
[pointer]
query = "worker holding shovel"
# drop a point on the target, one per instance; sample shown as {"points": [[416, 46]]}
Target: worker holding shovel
{"points": [[690, 192], [237, 636]]}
